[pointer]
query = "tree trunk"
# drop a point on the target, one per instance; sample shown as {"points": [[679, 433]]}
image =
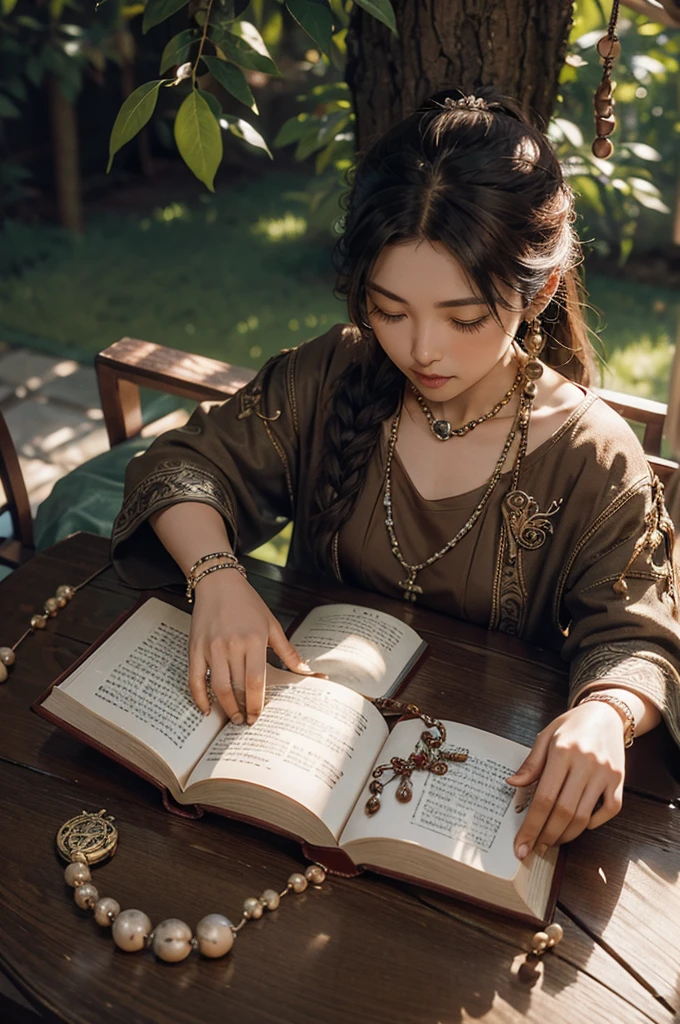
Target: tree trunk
{"points": [[66, 156], [518, 46]]}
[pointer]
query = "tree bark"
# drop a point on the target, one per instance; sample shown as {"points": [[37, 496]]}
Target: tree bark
{"points": [[518, 46]]}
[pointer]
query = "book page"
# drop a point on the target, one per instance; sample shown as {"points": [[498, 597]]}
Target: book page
{"points": [[470, 814], [315, 742], [362, 648], [138, 680]]}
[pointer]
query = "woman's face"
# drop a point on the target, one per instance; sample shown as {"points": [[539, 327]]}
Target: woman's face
{"points": [[432, 324]]}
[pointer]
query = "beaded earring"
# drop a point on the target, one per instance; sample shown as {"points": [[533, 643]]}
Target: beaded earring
{"points": [[609, 49], [534, 340]]}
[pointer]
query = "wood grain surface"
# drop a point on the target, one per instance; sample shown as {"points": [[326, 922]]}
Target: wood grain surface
{"points": [[366, 949]]}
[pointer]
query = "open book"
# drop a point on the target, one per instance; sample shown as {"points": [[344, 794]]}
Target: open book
{"points": [[304, 768]]}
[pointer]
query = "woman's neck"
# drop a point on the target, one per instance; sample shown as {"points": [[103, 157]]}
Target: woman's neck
{"points": [[478, 399]]}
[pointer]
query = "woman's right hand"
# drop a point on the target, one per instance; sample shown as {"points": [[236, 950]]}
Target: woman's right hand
{"points": [[231, 628]]}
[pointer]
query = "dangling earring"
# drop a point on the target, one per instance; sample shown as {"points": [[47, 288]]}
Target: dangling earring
{"points": [[534, 341]]}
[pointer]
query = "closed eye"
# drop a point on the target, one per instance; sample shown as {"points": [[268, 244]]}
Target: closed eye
{"points": [[461, 325]]}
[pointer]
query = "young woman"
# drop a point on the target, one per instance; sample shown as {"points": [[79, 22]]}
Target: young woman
{"points": [[426, 452]]}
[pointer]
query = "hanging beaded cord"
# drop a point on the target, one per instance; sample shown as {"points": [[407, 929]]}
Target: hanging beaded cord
{"points": [[609, 49], [443, 430], [51, 609], [91, 838], [429, 755], [531, 372]]}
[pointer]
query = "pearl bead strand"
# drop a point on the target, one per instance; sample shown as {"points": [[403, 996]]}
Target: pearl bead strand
{"points": [[172, 940]]}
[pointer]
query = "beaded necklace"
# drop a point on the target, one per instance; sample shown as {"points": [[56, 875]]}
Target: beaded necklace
{"points": [[521, 423], [443, 430]]}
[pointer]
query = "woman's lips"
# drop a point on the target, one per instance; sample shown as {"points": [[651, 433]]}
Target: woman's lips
{"points": [[431, 382]]}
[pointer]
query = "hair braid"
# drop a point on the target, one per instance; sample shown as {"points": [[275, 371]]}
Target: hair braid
{"points": [[365, 395]]}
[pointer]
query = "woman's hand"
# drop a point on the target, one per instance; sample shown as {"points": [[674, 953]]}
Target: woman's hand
{"points": [[231, 628], [579, 759]]}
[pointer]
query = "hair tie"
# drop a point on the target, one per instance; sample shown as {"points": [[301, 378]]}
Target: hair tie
{"points": [[468, 102]]}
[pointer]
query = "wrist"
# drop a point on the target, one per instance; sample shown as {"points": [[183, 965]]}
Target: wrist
{"points": [[620, 707], [213, 569]]}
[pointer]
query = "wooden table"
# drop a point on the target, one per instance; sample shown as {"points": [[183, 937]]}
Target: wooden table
{"points": [[366, 949]]}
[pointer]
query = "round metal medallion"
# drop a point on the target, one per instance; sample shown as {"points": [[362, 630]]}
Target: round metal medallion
{"points": [[94, 836]]}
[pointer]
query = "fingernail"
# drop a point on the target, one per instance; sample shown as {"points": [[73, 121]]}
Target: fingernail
{"points": [[303, 667], [523, 851], [252, 719], [237, 719], [542, 849], [207, 713]]}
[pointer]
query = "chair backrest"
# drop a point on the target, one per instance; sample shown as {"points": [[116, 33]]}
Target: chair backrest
{"points": [[14, 550]]}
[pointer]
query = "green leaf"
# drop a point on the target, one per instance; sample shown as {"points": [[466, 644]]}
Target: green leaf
{"points": [[7, 108], [177, 50], [243, 130], [294, 129], [315, 18], [213, 103], [157, 11], [382, 10], [132, 116], [198, 138], [327, 127], [642, 150], [232, 79], [244, 46], [8, 6]]}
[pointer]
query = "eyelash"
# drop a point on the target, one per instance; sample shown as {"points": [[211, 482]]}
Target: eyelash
{"points": [[471, 325]]}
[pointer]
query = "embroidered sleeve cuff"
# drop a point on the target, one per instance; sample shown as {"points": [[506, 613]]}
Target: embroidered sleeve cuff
{"points": [[643, 671], [172, 481]]}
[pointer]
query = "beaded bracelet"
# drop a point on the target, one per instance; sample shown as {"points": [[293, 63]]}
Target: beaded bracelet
{"points": [[193, 581], [91, 838], [620, 705], [229, 555]]}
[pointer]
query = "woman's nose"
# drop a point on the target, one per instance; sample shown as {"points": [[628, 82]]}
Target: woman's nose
{"points": [[425, 349]]}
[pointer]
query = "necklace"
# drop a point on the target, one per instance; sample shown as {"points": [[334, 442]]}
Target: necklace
{"points": [[90, 838], [521, 422], [51, 608], [443, 430]]}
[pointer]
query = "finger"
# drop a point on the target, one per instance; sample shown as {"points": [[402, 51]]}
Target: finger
{"points": [[611, 805], [542, 803], [534, 762], [584, 811], [565, 808], [256, 660], [198, 668], [220, 680], [237, 671], [282, 646]]}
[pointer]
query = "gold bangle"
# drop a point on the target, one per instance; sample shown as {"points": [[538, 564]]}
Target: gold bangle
{"points": [[620, 705], [193, 581], [206, 558]]}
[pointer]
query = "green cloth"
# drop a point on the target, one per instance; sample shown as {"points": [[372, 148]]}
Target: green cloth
{"points": [[88, 498]]}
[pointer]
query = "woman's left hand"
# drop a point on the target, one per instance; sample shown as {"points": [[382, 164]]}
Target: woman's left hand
{"points": [[578, 758]]}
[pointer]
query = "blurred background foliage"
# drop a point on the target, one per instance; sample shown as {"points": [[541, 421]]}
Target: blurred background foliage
{"points": [[149, 252]]}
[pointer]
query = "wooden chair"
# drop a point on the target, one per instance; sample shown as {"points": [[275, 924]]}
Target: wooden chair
{"points": [[129, 364], [20, 547]]}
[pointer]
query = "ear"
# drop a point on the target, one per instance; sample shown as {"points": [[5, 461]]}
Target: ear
{"points": [[544, 296]]}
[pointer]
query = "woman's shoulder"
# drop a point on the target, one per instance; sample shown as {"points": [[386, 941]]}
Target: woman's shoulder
{"points": [[598, 447]]}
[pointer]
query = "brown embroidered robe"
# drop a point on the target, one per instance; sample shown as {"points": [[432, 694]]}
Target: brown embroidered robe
{"points": [[588, 517]]}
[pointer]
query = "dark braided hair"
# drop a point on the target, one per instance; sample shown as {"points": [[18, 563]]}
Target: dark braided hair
{"points": [[486, 183]]}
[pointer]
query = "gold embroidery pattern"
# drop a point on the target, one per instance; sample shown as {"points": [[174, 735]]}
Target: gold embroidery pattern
{"points": [[250, 396], [173, 480], [527, 526], [659, 531], [524, 527]]}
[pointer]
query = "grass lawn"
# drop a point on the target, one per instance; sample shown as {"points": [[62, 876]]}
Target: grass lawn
{"points": [[236, 276]]}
